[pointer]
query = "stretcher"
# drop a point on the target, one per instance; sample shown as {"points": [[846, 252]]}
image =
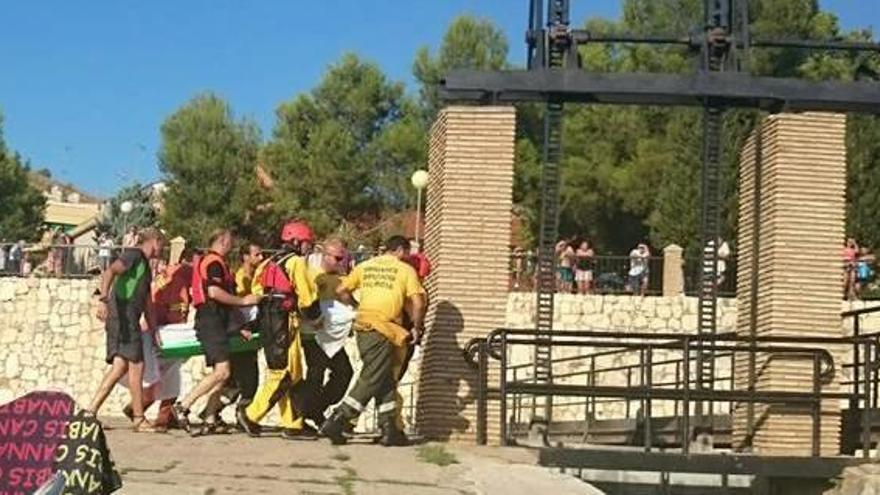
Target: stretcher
{"points": [[188, 348], [179, 340]]}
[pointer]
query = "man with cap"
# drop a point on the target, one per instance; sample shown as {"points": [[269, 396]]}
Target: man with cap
{"points": [[289, 297]]}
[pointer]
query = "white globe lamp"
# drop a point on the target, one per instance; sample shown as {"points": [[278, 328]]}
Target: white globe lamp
{"points": [[419, 180]]}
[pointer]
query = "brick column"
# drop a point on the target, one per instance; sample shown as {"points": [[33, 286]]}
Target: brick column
{"points": [[798, 163], [469, 201]]}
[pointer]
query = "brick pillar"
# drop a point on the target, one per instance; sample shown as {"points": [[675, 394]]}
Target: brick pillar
{"points": [[673, 276], [798, 163], [469, 201]]}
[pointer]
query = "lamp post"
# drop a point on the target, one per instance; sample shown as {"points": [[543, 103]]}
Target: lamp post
{"points": [[125, 207], [419, 181]]}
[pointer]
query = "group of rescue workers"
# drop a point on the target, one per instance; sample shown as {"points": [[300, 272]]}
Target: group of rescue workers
{"points": [[298, 309]]}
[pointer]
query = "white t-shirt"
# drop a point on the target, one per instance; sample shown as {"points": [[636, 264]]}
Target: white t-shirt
{"points": [[638, 262]]}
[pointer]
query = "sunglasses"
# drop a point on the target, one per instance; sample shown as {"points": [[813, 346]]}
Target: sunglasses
{"points": [[339, 259]]}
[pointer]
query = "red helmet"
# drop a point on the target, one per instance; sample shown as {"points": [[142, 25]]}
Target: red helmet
{"points": [[297, 231]]}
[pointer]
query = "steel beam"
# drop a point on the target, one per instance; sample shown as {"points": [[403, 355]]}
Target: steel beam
{"points": [[616, 460], [727, 89]]}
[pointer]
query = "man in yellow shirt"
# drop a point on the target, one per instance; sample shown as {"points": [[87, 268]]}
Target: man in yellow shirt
{"points": [[284, 384], [386, 285]]}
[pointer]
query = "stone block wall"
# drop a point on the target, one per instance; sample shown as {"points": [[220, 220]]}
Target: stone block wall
{"points": [[49, 339]]}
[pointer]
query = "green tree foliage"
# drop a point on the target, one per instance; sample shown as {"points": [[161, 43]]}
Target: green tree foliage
{"points": [[345, 150], [209, 158], [22, 206], [635, 172], [469, 43], [114, 223]]}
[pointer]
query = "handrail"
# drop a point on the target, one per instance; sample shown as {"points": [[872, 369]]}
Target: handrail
{"points": [[859, 312], [817, 349]]}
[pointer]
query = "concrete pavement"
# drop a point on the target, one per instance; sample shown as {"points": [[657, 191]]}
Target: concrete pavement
{"points": [[235, 463]]}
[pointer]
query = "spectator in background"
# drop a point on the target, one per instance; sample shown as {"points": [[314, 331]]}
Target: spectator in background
{"points": [[850, 257], [723, 256], [864, 270], [66, 249], [16, 253], [360, 255], [105, 251], [3, 254], [584, 266], [566, 258], [638, 269], [130, 239]]}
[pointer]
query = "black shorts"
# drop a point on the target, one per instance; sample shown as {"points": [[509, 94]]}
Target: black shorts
{"points": [[211, 332], [124, 338]]}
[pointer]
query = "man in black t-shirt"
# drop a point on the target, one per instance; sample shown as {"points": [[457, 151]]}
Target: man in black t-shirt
{"points": [[124, 294], [212, 321]]}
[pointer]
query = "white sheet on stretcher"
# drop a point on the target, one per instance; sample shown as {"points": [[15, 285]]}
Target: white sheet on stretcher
{"points": [[336, 326], [159, 370]]}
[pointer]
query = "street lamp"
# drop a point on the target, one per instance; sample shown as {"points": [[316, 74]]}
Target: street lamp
{"points": [[419, 181], [125, 207]]}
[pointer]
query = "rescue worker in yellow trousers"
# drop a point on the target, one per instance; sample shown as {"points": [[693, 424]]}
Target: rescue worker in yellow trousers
{"points": [[283, 384], [387, 286]]}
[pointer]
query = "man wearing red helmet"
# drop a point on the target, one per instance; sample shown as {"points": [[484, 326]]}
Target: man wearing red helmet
{"points": [[284, 382]]}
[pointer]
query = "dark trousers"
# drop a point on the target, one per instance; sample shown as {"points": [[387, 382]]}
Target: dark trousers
{"points": [[376, 380], [241, 386], [245, 374], [324, 394]]}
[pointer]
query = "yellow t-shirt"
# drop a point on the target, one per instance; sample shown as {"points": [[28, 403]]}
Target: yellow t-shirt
{"points": [[243, 282], [385, 284]]}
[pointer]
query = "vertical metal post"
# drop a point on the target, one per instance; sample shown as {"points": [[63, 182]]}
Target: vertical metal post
{"points": [[559, 46], [817, 406], [649, 379], [686, 395], [482, 394], [853, 404], [866, 409], [503, 389]]}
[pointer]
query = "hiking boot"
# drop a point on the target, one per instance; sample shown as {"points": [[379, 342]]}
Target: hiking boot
{"points": [[391, 435], [249, 427], [334, 428]]}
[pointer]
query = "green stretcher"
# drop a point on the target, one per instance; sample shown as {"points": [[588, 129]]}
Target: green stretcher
{"points": [[188, 349]]}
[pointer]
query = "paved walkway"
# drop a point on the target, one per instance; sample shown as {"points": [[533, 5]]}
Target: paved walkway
{"points": [[228, 464]]}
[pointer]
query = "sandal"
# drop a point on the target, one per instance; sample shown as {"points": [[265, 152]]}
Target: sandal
{"points": [[141, 425], [219, 427], [181, 416]]}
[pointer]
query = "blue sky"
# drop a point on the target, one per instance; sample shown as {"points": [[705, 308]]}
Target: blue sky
{"points": [[85, 85]]}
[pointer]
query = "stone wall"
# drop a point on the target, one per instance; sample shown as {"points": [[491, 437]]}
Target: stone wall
{"points": [[49, 339]]}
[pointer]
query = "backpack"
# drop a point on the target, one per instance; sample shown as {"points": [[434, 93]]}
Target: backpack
{"points": [[273, 320], [200, 276]]}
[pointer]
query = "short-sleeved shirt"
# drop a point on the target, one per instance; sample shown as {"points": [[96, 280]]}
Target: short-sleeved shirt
{"points": [[211, 310], [243, 281], [385, 284], [132, 286]]}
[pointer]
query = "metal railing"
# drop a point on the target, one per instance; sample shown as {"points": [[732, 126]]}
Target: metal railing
{"points": [[608, 275], [682, 390], [61, 260]]}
